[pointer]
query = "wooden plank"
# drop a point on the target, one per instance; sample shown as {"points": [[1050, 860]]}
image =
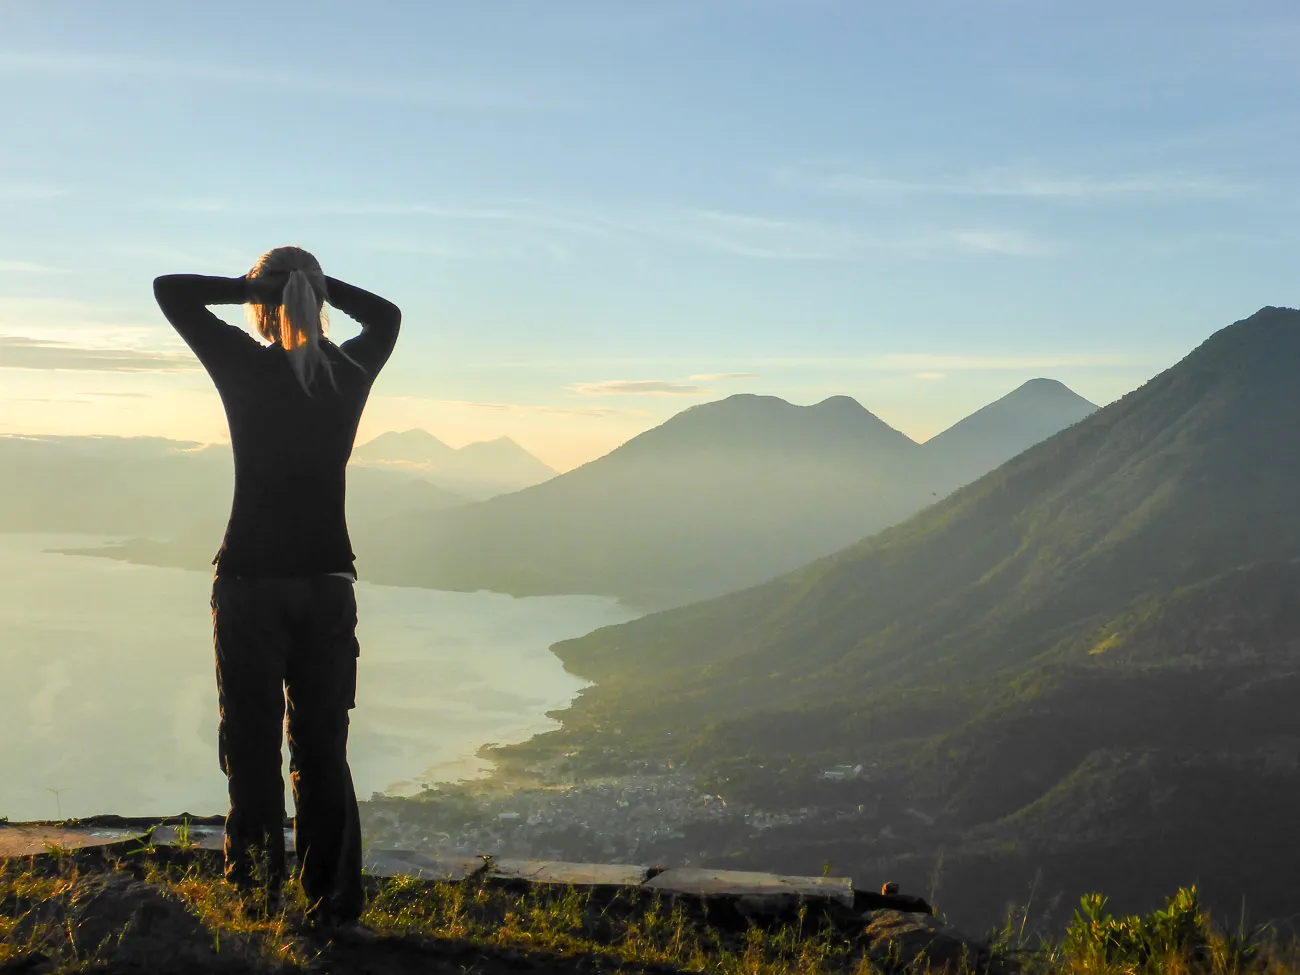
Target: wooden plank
{"points": [[571, 874]]}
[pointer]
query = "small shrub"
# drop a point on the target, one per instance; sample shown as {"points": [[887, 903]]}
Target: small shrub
{"points": [[1181, 931]]}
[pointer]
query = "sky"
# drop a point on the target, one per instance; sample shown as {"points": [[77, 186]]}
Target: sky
{"points": [[596, 213]]}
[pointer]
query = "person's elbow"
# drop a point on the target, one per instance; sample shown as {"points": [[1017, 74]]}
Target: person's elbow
{"points": [[393, 320], [173, 294], [166, 288]]}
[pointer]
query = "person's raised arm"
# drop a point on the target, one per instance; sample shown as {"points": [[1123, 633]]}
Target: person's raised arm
{"points": [[379, 318], [184, 298]]}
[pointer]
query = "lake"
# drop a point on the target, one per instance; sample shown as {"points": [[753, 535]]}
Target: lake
{"points": [[108, 700]]}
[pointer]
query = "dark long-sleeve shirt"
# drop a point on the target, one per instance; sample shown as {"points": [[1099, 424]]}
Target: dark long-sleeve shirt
{"points": [[291, 449]]}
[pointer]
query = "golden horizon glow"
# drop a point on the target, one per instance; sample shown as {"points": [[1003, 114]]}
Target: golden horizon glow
{"points": [[64, 404]]}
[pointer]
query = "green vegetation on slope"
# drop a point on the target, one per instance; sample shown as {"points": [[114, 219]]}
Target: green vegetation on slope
{"points": [[1178, 482], [1119, 597]]}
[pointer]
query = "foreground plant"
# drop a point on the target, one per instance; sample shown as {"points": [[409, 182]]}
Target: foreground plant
{"points": [[482, 926]]}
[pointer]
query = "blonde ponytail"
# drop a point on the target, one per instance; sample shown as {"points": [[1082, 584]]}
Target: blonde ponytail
{"points": [[302, 326], [298, 321]]}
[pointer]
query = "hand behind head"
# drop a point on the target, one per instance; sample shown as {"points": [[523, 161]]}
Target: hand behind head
{"points": [[268, 289]]}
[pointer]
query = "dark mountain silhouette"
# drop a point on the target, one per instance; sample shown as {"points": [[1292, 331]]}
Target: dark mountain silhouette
{"points": [[991, 436], [718, 497], [1067, 664], [477, 470]]}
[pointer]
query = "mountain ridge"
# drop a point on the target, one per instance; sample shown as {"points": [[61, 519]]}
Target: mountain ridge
{"points": [[996, 500], [1016, 637], [480, 469], [720, 496]]}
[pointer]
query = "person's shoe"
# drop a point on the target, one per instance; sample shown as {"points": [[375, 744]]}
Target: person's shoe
{"points": [[353, 932]]}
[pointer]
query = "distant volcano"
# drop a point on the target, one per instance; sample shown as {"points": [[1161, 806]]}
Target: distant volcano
{"points": [[477, 470], [993, 435]]}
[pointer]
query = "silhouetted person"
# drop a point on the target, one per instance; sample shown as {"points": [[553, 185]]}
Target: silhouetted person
{"points": [[283, 607]]}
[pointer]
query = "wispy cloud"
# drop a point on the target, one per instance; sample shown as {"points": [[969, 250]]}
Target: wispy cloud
{"points": [[1013, 182], [935, 363], [638, 387], [12, 191], [45, 399], [510, 212], [525, 229], [772, 239], [203, 259], [1010, 243], [521, 408], [774, 366], [743, 235], [79, 323], [886, 362], [451, 248], [747, 235], [930, 376], [468, 94], [28, 267], [18, 352]]}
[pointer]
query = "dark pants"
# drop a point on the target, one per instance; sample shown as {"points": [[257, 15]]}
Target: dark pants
{"points": [[295, 640]]}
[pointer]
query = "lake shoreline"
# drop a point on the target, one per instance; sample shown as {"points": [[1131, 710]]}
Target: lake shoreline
{"points": [[107, 660]]}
